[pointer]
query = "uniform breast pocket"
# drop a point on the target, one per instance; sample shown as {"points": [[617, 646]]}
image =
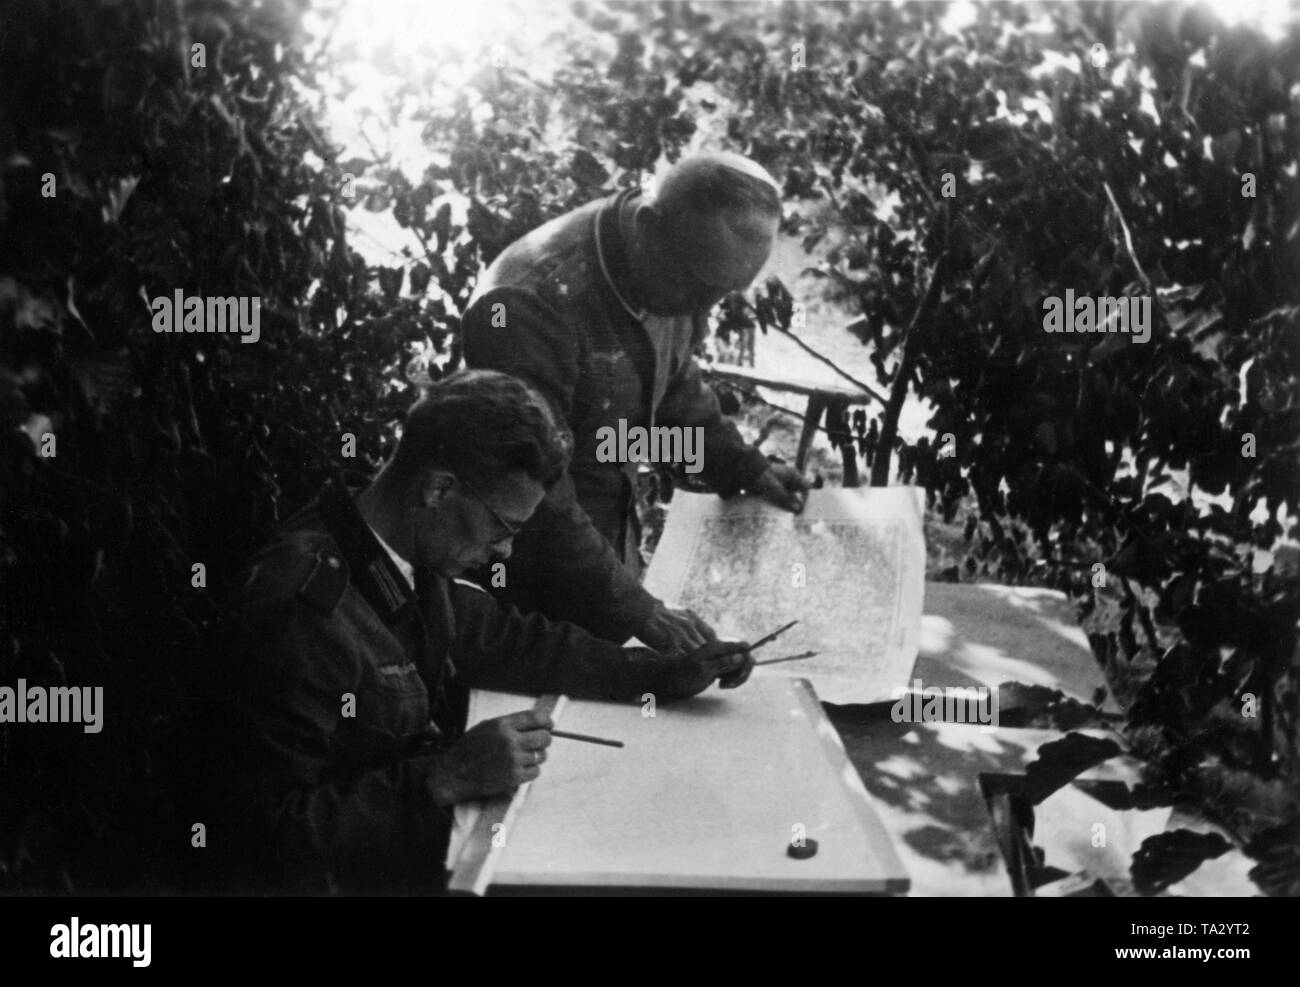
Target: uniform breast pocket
{"points": [[401, 700]]}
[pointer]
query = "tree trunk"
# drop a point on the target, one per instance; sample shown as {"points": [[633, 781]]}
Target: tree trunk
{"points": [[889, 427]]}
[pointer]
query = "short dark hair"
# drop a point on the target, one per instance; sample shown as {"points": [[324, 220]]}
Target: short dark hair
{"points": [[480, 425]]}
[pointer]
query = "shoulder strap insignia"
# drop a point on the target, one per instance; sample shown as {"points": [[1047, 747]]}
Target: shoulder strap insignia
{"points": [[569, 281], [324, 585]]}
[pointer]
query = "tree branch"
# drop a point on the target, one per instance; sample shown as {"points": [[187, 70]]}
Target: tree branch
{"points": [[1128, 239], [830, 363]]}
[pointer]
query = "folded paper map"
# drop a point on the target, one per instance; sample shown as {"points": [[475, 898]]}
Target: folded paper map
{"points": [[850, 569]]}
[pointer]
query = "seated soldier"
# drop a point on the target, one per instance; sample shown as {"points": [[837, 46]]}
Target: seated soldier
{"points": [[337, 741]]}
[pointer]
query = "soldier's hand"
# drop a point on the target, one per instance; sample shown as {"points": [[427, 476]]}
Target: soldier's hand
{"points": [[783, 486], [493, 758], [675, 633], [728, 660]]}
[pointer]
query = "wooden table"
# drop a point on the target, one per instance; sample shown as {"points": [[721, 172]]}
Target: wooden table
{"points": [[922, 780], [925, 778], [822, 399]]}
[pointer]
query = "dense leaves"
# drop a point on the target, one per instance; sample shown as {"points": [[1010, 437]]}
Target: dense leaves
{"points": [[170, 450], [945, 178]]}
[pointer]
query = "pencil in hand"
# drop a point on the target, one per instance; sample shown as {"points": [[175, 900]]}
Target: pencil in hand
{"points": [[587, 738]]}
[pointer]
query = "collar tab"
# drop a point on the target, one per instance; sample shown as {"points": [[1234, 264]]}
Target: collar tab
{"points": [[377, 577]]}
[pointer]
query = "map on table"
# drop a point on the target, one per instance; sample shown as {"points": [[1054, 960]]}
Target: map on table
{"points": [[850, 569]]}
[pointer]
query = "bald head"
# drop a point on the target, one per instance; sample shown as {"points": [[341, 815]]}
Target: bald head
{"points": [[718, 181], [709, 231]]}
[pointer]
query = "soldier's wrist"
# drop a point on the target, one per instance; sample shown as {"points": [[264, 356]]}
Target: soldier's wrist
{"points": [[440, 781], [641, 671], [656, 613], [639, 610], [743, 473]]}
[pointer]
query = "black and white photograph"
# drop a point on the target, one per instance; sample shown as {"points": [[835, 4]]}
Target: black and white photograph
{"points": [[593, 448]]}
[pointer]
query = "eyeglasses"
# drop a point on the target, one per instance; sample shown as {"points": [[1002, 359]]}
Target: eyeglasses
{"points": [[511, 530]]}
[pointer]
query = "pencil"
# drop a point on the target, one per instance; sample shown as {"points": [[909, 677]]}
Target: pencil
{"points": [[773, 661], [589, 739], [773, 636]]}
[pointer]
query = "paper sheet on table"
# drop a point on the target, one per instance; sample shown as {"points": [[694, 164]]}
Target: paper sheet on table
{"points": [[705, 795], [850, 569], [466, 814]]}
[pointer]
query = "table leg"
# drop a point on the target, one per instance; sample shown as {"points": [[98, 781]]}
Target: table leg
{"points": [[812, 418], [850, 454]]}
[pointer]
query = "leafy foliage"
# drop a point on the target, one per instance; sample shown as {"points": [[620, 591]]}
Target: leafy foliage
{"points": [[170, 450], [1078, 450]]}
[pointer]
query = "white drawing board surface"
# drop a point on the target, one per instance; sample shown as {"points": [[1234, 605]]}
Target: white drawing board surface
{"points": [[706, 794]]}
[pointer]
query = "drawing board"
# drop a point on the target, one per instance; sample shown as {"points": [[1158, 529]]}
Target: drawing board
{"points": [[707, 794]]}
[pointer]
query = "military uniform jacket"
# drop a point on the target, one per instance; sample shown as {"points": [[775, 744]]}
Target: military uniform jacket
{"points": [[551, 310], [337, 687]]}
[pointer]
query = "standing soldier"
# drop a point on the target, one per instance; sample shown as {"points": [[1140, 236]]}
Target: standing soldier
{"points": [[600, 310]]}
